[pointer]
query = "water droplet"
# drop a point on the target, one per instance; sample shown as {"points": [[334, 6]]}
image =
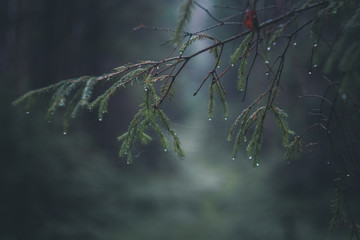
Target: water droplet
{"points": [[181, 53], [108, 79], [328, 162], [128, 163], [267, 73], [315, 44], [233, 158], [257, 164], [48, 121], [268, 48], [27, 113], [100, 119], [295, 43], [241, 89], [250, 157], [348, 175], [343, 96], [315, 65], [165, 150], [232, 65], [274, 43], [62, 102], [218, 66], [309, 72], [157, 68], [210, 119], [64, 132], [245, 139], [267, 62], [226, 119], [145, 89]]}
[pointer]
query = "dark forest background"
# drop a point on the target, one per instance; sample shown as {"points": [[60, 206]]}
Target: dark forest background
{"points": [[73, 186]]}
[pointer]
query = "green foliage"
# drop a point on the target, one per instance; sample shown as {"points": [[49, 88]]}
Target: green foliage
{"points": [[345, 56], [76, 94], [148, 116], [102, 101], [211, 99], [191, 40], [242, 52], [221, 95], [72, 109], [184, 17], [29, 98], [244, 122], [280, 117], [337, 209], [215, 86], [216, 51], [270, 40], [254, 147], [82, 97], [255, 121], [294, 149], [158, 78], [241, 73]]}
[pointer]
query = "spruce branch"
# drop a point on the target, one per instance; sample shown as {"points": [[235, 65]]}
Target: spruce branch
{"points": [[165, 72], [158, 79], [184, 17]]}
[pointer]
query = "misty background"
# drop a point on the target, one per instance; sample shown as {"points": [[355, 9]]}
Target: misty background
{"points": [[74, 186]]}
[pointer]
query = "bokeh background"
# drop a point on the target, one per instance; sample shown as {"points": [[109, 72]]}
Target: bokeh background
{"points": [[73, 186]]}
